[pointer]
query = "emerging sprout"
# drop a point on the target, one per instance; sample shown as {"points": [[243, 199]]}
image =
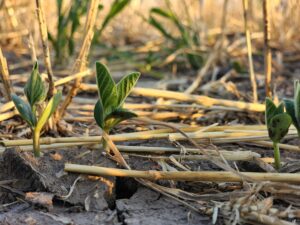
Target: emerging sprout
{"points": [[35, 92], [108, 110], [293, 106], [278, 123]]}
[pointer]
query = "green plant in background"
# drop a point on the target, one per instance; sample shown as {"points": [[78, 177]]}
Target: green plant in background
{"points": [[188, 37], [35, 92], [293, 106], [68, 24], [278, 123], [116, 7], [108, 110]]}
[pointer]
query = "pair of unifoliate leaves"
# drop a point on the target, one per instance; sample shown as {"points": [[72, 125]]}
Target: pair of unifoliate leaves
{"points": [[278, 121], [35, 92], [293, 106], [108, 111]]}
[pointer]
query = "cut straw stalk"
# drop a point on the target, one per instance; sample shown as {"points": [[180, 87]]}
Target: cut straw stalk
{"points": [[152, 115], [182, 97], [183, 175], [203, 71], [13, 34], [170, 150], [44, 37], [228, 155], [287, 147], [135, 106], [249, 50], [21, 78], [145, 135], [267, 50], [8, 115], [10, 105], [210, 138], [7, 90], [199, 99], [80, 64], [214, 134]]}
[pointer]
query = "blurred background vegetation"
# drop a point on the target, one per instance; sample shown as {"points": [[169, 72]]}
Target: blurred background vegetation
{"points": [[150, 35]]}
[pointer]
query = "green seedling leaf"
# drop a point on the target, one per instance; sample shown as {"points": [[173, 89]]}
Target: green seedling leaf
{"points": [[24, 110], [106, 88], [195, 60], [156, 24], [171, 16], [117, 117], [162, 12], [99, 114], [125, 86], [152, 21], [51, 39], [272, 110], [100, 7], [237, 66], [108, 111], [279, 126], [116, 8], [35, 90], [290, 109], [48, 111]]}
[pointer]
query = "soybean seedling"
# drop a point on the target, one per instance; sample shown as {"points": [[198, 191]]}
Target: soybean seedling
{"points": [[35, 92], [278, 123], [108, 110], [293, 106]]}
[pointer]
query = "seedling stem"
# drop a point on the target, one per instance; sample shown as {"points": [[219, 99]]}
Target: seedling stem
{"points": [[36, 142], [276, 155]]}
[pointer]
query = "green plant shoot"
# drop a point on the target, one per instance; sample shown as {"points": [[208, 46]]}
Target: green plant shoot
{"points": [[35, 92], [188, 37], [108, 110], [293, 106], [278, 123], [67, 25], [116, 7]]}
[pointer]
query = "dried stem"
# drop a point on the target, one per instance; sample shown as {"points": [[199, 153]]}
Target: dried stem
{"points": [[199, 99], [215, 176], [268, 56], [155, 152], [44, 38], [11, 14], [5, 77], [183, 97], [223, 23], [212, 135], [80, 64], [203, 71], [249, 48]]}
